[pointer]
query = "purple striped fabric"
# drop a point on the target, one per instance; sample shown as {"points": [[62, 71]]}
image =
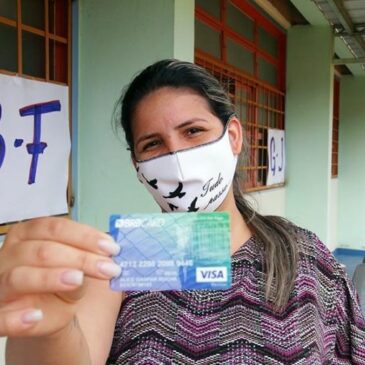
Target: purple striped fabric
{"points": [[321, 324]]}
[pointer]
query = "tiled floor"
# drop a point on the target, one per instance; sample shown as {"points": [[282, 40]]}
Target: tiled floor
{"points": [[351, 258]]}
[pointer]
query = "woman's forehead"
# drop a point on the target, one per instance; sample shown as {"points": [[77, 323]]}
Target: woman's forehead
{"points": [[174, 95], [169, 105]]}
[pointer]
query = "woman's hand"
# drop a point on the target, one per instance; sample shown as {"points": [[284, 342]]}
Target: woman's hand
{"points": [[45, 264]]}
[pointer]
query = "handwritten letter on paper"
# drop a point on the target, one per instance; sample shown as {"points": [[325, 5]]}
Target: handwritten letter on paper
{"points": [[34, 148], [276, 156]]}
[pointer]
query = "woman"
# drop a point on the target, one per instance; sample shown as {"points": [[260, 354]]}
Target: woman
{"points": [[290, 301]]}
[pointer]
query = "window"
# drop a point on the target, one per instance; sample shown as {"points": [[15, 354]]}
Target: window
{"points": [[35, 42], [335, 126], [35, 39], [246, 52]]}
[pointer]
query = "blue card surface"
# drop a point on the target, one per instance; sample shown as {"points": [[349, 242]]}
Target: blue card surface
{"points": [[172, 251]]}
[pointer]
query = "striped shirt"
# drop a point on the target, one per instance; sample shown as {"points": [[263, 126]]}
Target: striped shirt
{"points": [[321, 324]]}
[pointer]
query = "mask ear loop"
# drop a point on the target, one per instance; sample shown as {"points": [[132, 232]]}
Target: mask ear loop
{"points": [[226, 126], [233, 115]]}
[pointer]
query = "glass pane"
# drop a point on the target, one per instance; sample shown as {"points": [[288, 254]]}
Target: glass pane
{"points": [[262, 97], [33, 13], [273, 101], [241, 111], [207, 39], [58, 61], [212, 7], [262, 116], [273, 120], [239, 56], [8, 49], [33, 55], [267, 72], [8, 9], [58, 17], [268, 43], [240, 104], [239, 22]]}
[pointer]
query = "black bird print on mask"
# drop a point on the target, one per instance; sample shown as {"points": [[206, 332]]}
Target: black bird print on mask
{"points": [[172, 206], [192, 207], [137, 169], [177, 193], [152, 183]]}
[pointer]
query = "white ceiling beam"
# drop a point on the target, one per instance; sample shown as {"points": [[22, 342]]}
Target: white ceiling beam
{"points": [[346, 61], [343, 16]]}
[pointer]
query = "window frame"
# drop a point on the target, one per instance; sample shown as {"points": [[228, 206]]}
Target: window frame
{"points": [[254, 167], [259, 20], [335, 126], [47, 35]]}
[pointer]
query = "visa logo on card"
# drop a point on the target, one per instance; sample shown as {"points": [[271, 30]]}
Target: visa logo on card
{"points": [[172, 251], [211, 274]]}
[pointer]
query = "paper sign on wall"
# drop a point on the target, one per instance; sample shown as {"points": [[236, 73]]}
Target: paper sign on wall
{"points": [[34, 148], [276, 156]]}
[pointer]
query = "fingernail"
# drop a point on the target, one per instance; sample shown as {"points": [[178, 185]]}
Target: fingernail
{"points": [[32, 316], [109, 268], [109, 246], [72, 277]]}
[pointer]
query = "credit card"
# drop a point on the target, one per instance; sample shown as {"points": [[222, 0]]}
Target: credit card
{"points": [[172, 251]]}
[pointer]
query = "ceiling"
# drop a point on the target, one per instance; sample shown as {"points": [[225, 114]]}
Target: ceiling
{"points": [[347, 18]]}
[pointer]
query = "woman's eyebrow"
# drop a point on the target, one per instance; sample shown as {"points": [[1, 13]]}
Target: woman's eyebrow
{"points": [[147, 136], [179, 126], [190, 121]]}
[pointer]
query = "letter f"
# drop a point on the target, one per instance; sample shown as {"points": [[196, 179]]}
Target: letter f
{"points": [[37, 146]]}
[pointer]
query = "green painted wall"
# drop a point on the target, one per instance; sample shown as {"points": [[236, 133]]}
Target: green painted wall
{"points": [[309, 126], [184, 29], [351, 176], [117, 38]]}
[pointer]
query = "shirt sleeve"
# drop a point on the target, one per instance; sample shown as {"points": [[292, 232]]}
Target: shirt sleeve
{"points": [[350, 336]]}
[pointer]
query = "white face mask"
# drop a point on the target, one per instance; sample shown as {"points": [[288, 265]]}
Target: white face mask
{"points": [[190, 180]]}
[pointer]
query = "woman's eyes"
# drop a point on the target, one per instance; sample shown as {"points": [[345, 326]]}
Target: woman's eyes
{"points": [[150, 145], [194, 130], [189, 132]]}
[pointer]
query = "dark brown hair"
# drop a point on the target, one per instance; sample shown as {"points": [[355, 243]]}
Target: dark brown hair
{"points": [[279, 247]]}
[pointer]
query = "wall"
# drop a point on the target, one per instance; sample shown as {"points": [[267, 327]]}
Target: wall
{"points": [[351, 175], [117, 38], [309, 127], [269, 202], [184, 30]]}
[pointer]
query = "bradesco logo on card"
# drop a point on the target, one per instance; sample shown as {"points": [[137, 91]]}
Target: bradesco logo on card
{"points": [[211, 275], [140, 223]]}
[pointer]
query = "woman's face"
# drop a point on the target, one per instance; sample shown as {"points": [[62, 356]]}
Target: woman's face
{"points": [[171, 119]]}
